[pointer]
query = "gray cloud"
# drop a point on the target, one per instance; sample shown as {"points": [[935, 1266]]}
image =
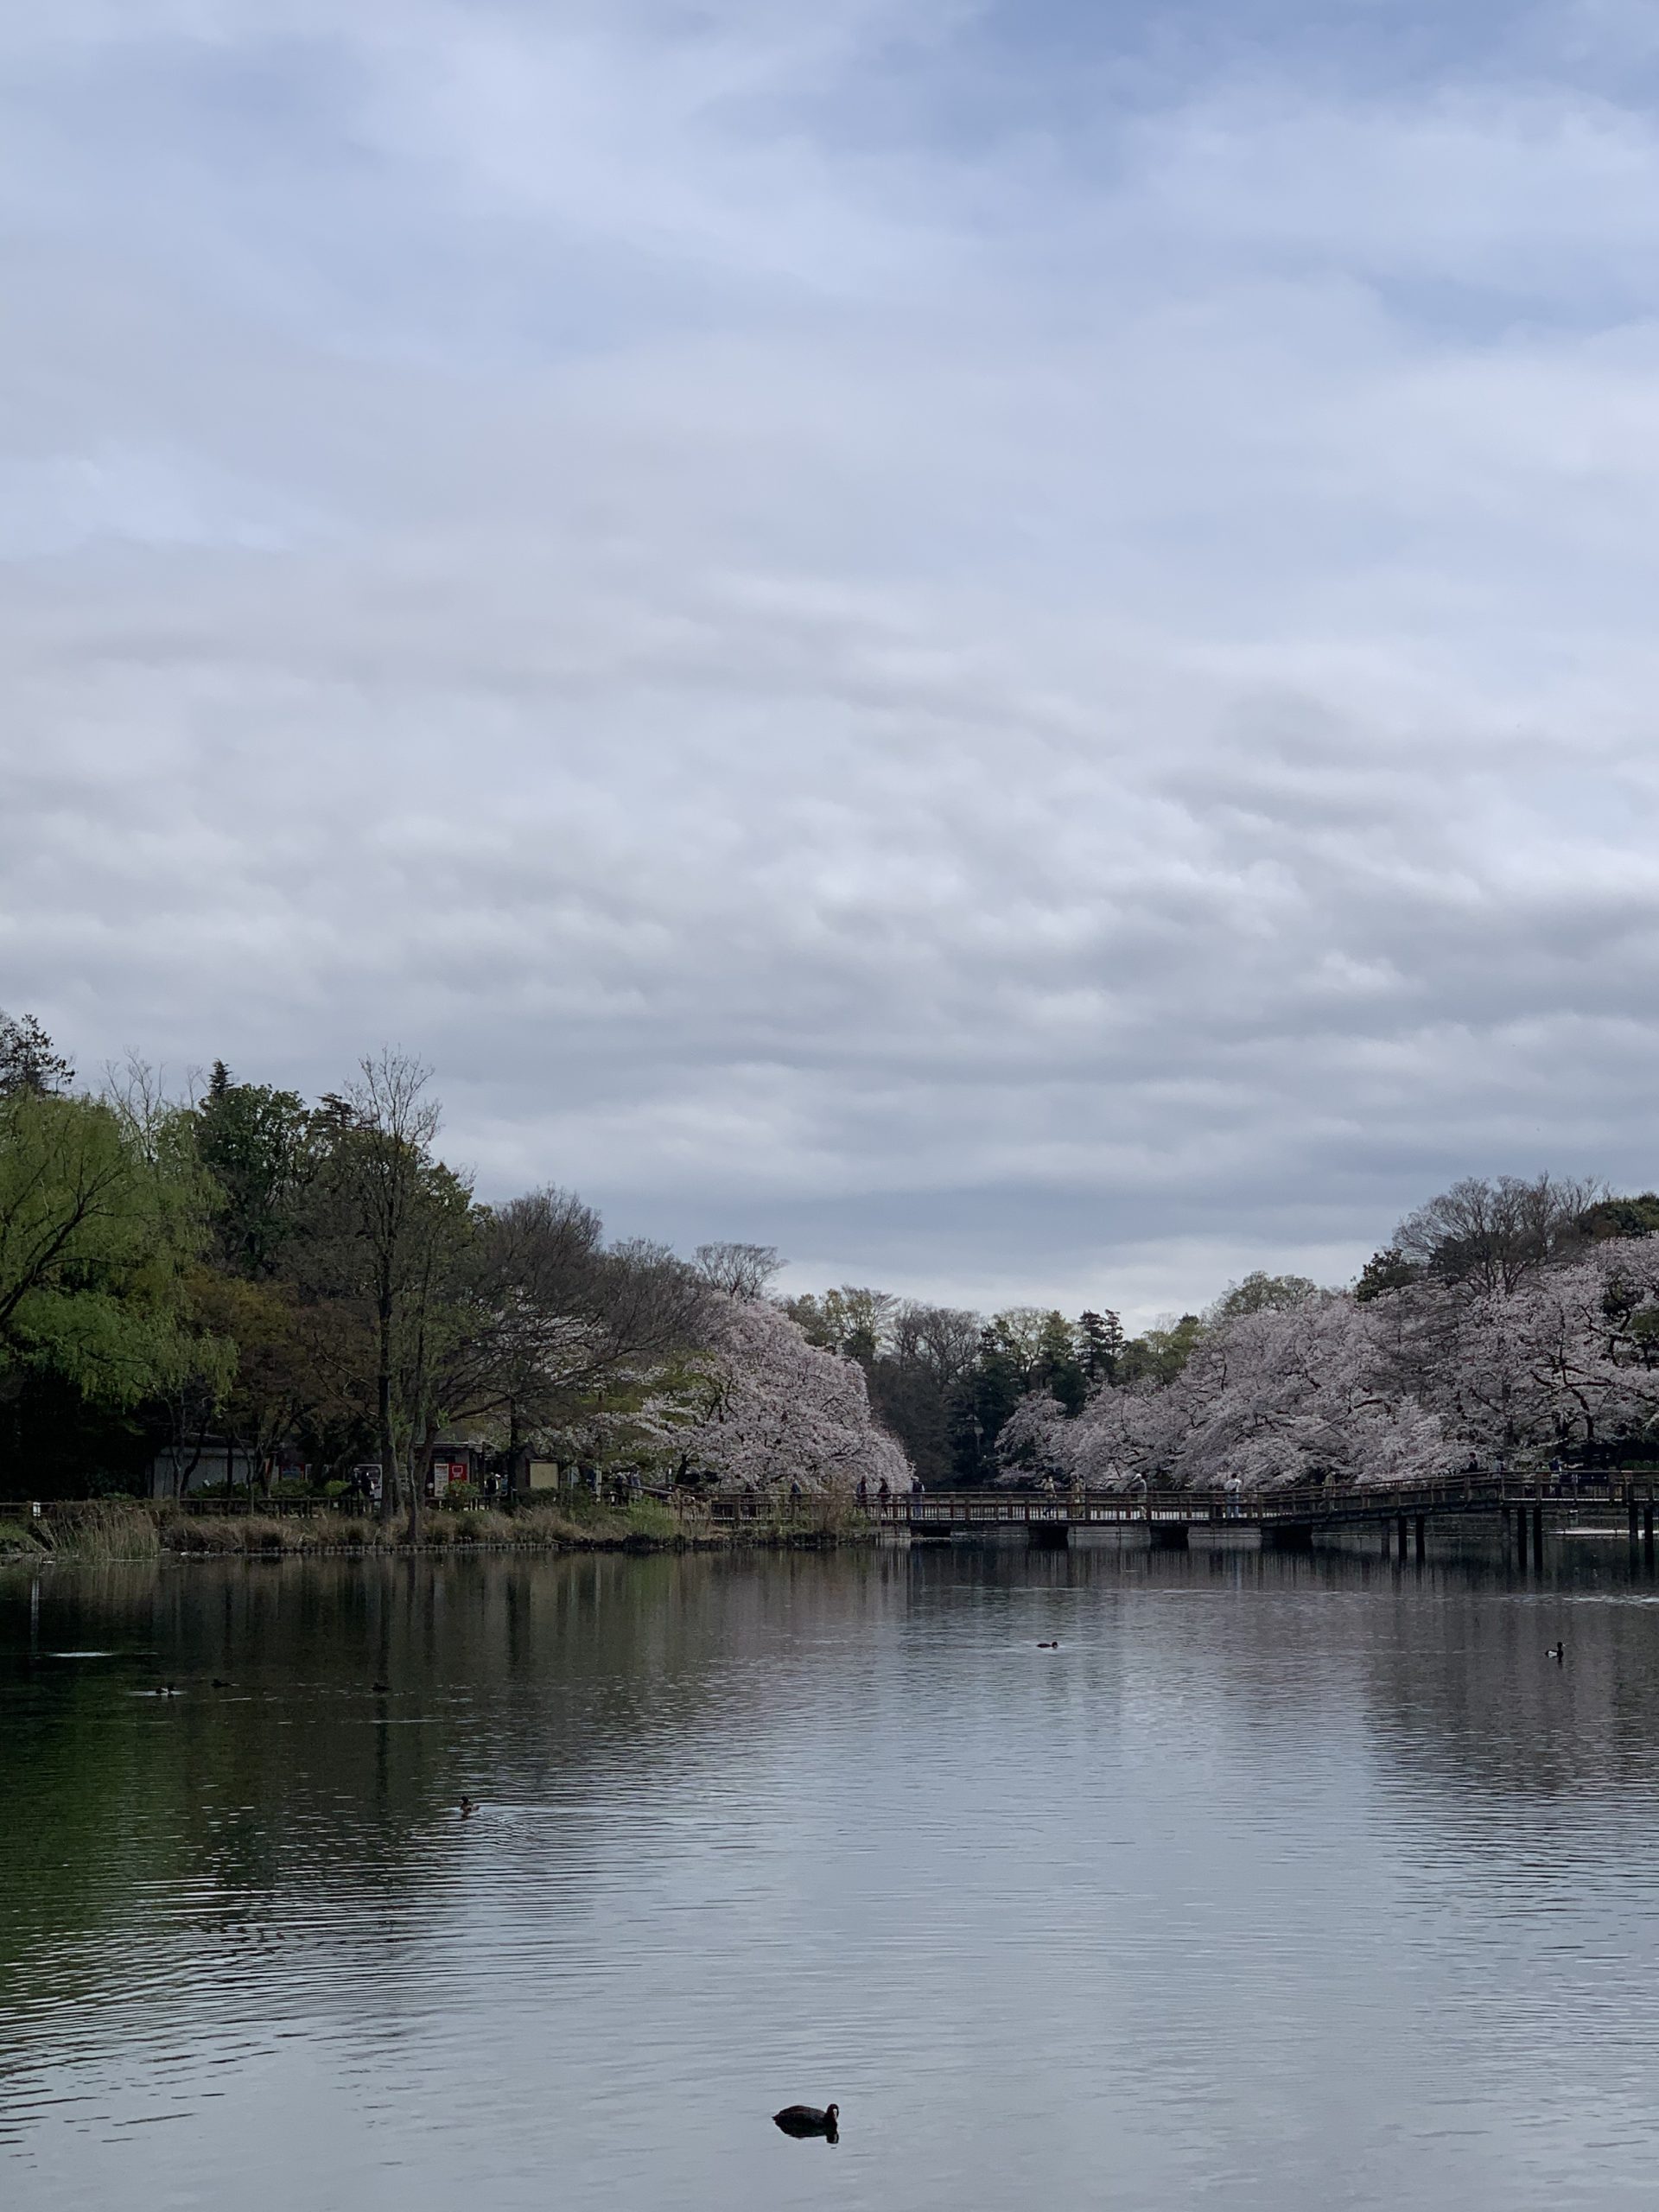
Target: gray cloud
{"points": [[1059, 705]]}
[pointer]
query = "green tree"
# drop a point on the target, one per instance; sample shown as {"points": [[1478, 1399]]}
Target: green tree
{"points": [[1637, 1216], [1261, 1292], [101, 1214], [1003, 1373], [257, 1143], [1161, 1354], [853, 1321]]}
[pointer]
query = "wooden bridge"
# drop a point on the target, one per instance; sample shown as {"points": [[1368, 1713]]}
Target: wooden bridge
{"points": [[1288, 1519]]}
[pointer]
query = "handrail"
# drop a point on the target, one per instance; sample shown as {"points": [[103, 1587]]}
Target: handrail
{"points": [[1302, 1502]]}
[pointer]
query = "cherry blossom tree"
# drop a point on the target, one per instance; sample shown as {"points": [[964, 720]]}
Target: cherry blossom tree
{"points": [[767, 1410], [1395, 1386], [1566, 1359], [1275, 1397]]}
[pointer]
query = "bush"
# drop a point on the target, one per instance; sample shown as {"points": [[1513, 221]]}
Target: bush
{"points": [[650, 1518]]}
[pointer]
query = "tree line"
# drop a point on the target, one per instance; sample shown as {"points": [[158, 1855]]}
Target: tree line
{"points": [[1510, 1323], [1508, 1319], [945, 1381], [313, 1282]]}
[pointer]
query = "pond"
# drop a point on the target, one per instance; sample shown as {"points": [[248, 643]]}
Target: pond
{"points": [[1286, 1883]]}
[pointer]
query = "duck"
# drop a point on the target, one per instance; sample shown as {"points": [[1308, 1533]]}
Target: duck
{"points": [[1557, 1652], [220, 1684], [381, 1689], [468, 1808], [801, 2120], [1049, 1647]]}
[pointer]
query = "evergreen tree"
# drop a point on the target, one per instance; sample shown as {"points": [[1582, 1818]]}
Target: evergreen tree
{"points": [[255, 1142], [1100, 1345], [29, 1062], [1000, 1381], [1386, 1270], [1059, 1364]]}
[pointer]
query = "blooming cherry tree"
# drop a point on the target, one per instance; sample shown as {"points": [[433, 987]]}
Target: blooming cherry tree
{"points": [[1274, 1398], [767, 1411]]}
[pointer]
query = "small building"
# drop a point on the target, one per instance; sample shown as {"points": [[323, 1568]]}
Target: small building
{"points": [[178, 1469], [458, 1463]]}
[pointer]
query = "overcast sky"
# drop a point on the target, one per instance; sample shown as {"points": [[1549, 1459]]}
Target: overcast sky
{"points": [[1010, 645]]}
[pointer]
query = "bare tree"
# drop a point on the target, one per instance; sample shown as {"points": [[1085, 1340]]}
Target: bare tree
{"points": [[1492, 1234], [556, 1321], [922, 1387], [394, 1222], [741, 1270]]}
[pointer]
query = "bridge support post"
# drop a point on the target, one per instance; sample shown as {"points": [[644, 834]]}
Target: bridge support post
{"points": [[1647, 1532], [1537, 1536], [1400, 1533], [1521, 1538], [1048, 1535], [1287, 1536], [1630, 1506], [1169, 1536], [1421, 1533]]}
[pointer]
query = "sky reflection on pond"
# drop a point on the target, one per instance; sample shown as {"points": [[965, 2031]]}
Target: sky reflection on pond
{"points": [[1288, 1882]]}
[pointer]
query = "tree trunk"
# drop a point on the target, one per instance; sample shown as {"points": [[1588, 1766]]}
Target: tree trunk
{"points": [[388, 1442], [419, 1457], [387, 1446]]}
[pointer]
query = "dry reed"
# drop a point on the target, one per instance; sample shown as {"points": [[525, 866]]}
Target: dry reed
{"points": [[106, 1529]]}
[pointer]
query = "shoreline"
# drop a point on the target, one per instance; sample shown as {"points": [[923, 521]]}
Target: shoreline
{"points": [[128, 1531]]}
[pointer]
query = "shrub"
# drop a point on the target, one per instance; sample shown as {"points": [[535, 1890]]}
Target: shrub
{"points": [[649, 1518]]}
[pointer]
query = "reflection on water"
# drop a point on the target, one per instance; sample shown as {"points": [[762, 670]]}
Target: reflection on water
{"points": [[1288, 1882]]}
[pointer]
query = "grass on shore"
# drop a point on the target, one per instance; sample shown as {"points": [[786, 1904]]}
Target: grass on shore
{"points": [[134, 1529]]}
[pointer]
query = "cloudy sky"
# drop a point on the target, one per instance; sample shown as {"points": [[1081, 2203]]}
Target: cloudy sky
{"points": [[1008, 643]]}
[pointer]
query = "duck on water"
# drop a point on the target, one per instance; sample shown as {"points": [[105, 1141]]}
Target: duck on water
{"points": [[807, 2119]]}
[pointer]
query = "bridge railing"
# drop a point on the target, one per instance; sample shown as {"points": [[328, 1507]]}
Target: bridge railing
{"points": [[1011, 1506], [1310, 1502]]}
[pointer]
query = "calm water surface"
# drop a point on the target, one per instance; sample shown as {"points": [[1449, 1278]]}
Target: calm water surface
{"points": [[1284, 1883]]}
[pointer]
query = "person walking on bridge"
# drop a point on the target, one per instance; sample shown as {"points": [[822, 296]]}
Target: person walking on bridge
{"points": [[1234, 1487]]}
